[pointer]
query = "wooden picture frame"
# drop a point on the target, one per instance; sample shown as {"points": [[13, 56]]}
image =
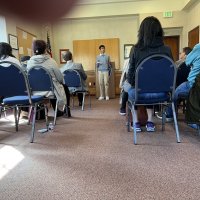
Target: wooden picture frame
{"points": [[13, 41], [127, 50], [62, 53]]}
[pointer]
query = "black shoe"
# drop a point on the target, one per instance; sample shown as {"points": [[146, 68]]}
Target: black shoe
{"points": [[122, 111], [67, 113]]}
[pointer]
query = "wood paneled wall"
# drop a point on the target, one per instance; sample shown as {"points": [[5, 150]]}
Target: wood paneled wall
{"points": [[91, 81], [85, 51]]}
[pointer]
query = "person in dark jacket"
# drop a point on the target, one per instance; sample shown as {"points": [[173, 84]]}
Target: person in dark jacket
{"points": [[150, 42]]}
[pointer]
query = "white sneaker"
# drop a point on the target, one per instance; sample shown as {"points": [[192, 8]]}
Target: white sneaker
{"points": [[101, 98], [107, 98]]}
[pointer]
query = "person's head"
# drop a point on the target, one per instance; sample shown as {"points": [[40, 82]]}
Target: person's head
{"points": [[150, 28], [185, 52], [5, 50], [39, 47], [67, 56], [102, 48], [23, 60]]}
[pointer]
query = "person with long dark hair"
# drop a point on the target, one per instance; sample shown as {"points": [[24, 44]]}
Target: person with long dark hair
{"points": [[150, 42]]}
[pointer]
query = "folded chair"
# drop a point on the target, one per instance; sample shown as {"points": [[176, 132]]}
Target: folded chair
{"points": [[15, 89], [41, 81], [72, 79], [155, 81]]}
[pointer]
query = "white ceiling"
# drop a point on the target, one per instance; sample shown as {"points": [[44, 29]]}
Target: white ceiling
{"points": [[107, 1], [100, 8]]}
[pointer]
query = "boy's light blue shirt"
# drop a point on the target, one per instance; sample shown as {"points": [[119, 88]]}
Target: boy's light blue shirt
{"points": [[193, 60], [103, 62]]}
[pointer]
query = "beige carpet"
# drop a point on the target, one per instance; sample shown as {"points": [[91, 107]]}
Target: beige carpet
{"points": [[92, 157]]}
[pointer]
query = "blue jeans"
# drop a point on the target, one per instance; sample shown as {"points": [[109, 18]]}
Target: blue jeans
{"points": [[182, 88]]}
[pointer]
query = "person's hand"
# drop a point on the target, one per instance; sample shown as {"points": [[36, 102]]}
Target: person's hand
{"points": [[37, 11]]}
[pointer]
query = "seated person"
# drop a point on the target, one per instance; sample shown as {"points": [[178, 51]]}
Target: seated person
{"points": [[124, 95], [193, 60], [183, 71], [76, 66], [183, 54], [6, 53], [150, 42], [41, 58]]}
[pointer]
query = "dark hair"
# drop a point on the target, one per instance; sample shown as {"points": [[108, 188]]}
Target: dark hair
{"points": [[102, 46], [5, 50], [24, 58], [187, 50], [67, 56], [39, 47], [150, 28]]}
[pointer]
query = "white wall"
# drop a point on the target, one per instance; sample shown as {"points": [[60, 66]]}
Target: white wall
{"points": [[175, 25], [11, 29], [125, 28], [193, 18], [3, 33]]}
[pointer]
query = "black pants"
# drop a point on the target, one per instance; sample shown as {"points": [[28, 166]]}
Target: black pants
{"points": [[124, 99], [80, 97]]}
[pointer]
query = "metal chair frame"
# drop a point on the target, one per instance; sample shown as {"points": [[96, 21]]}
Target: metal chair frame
{"points": [[155, 74]]}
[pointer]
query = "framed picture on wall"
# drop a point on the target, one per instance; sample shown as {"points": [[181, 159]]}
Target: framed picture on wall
{"points": [[13, 41], [127, 50], [62, 53]]}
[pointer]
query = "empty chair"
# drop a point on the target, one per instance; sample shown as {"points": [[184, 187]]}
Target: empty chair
{"points": [[154, 84], [14, 87], [72, 79]]}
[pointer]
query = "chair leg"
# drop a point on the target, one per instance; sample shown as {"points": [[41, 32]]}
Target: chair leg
{"points": [[163, 118], [175, 123], [55, 113], [83, 102], [16, 119], [128, 120], [33, 123], [134, 127], [46, 116], [89, 99]]}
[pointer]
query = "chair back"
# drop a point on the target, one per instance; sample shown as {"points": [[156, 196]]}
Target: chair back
{"points": [[40, 79], [155, 74], [13, 80], [72, 78]]}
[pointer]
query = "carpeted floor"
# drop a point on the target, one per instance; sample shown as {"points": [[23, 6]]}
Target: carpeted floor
{"points": [[92, 157]]}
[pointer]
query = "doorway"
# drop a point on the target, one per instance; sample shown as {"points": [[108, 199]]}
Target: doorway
{"points": [[193, 37], [173, 43]]}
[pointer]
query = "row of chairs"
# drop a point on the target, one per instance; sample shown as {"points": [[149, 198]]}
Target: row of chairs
{"points": [[17, 89]]}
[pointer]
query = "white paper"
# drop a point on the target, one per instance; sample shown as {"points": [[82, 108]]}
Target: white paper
{"points": [[21, 50], [24, 35], [29, 52]]}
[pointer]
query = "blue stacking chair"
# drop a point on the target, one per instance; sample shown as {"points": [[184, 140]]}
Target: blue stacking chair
{"points": [[15, 89], [41, 81], [155, 81], [72, 78]]}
